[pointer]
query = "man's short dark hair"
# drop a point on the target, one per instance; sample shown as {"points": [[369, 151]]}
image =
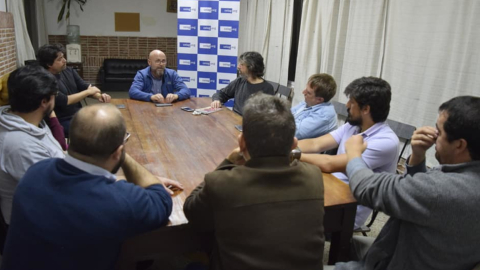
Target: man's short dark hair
{"points": [[373, 92], [324, 86], [254, 63], [268, 126], [48, 53], [28, 86], [93, 138], [463, 122]]}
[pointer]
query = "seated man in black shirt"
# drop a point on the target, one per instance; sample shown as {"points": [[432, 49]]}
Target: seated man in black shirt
{"points": [[72, 89], [251, 69]]}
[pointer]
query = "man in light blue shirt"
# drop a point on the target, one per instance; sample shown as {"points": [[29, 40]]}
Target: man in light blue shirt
{"points": [[368, 107], [316, 116]]}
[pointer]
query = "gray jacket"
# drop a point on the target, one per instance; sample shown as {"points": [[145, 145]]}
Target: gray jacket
{"points": [[434, 220], [21, 144]]}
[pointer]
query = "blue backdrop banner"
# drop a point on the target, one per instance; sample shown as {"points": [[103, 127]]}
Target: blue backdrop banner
{"points": [[207, 44]]}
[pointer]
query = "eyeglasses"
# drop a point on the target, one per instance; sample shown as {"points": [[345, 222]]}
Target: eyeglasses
{"points": [[126, 138], [163, 61]]}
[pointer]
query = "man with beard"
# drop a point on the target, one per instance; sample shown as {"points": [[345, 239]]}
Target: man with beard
{"points": [[432, 212], [72, 89], [368, 107], [251, 69], [72, 213], [25, 138], [157, 83]]}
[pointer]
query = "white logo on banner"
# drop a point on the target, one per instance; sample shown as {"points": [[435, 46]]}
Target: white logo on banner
{"points": [[184, 62], [205, 46], [207, 28], [204, 80], [225, 29], [187, 44], [187, 27], [206, 10], [228, 11], [224, 64], [187, 9]]}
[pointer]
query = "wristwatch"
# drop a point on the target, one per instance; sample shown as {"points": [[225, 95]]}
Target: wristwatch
{"points": [[295, 154]]}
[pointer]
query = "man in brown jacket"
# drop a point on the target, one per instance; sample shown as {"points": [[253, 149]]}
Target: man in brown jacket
{"points": [[267, 213]]}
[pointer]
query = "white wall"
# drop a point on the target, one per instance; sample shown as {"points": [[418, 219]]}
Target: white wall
{"points": [[3, 6], [98, 18]]}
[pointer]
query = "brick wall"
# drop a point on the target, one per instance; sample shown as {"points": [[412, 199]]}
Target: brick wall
{"points": [[8, 53], [96, 48]]}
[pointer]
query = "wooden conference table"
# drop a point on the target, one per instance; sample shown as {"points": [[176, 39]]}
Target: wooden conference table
{"points": [[175, 144]]}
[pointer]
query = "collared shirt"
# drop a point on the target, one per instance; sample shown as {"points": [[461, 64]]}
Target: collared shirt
{"points": [[382, 146], [314, 121], [89, 168], [157, 86]]}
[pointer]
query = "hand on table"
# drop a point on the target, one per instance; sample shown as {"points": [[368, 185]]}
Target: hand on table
{"points": [[216, 104], [355, 146], [170, 185], [171, 98], [158, 98], [422, 139], [103, 98]]}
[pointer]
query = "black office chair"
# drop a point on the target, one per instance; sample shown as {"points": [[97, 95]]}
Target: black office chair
{"points": [[3, 232], [340, 108], [404, 133], [275, 86], [284, 92]]}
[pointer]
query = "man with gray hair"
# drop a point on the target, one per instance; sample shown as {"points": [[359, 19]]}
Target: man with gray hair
{"points": [[72, 213], [251, 70], [265, 212]]}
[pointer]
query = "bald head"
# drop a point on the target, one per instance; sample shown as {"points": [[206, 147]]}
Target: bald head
{"points": [[157, 62], [155, 53], [96, 131]]}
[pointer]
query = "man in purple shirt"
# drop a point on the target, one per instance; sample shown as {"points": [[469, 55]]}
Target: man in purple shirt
{"points": [[368, 107]]}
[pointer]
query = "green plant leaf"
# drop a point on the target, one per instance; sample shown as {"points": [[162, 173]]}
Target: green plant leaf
{"points": [[62, 11], [66, 5]]}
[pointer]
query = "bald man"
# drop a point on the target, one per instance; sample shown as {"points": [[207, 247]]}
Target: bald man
{"points": [[157, 83], [72, 213]]}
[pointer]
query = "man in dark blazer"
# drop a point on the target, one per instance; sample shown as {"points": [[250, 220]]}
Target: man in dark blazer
{"points": [[267, 213]]}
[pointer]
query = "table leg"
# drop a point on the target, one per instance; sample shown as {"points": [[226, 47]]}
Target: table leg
{"points": [[340, 242]]}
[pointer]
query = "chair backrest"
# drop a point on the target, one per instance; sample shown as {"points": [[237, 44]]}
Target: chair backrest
{"points": [[340, 108], [403, 131], [275, 86], [284, 92]]}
